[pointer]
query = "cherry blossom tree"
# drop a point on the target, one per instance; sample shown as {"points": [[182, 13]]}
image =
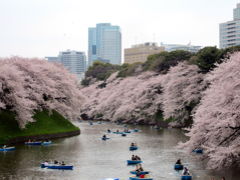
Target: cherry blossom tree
{"points": [[216, 126], [131, 99], [182, 87], [139, 98], [30, 85]]}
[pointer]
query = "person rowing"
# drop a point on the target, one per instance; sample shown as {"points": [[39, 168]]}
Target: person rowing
{"points": [[186, 171], [139, 168], [138, 158], [134, 158], [179, 162], [133, 144]]}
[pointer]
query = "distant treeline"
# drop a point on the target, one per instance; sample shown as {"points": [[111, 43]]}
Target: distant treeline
{"points": [[205, 59]]}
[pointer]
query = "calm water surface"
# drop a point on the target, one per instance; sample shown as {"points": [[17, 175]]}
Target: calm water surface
{"points": [[94, 159]]}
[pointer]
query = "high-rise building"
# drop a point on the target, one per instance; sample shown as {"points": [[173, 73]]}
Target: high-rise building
{"points": [[140, 52], [229, 32], [104, 44], [74, 61], [187, 47]]}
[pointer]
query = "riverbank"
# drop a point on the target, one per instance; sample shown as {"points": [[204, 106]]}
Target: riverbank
{"points": [[47, 126]]}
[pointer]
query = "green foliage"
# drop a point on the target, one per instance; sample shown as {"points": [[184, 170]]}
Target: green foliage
{"points": [[159, 116], [226, 52], [86, 82], [207, 57], [45, 124], [100, 71], [130, 69], [163, 61]]}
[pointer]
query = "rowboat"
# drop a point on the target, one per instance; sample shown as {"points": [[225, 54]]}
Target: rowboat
{"points": [[135, 130], [104, 139], [129, 162], [132, 148], [139, 178], [37, 143], [46, 143], [141, 172], [186, 177], [7, 149], [55, 166], [118, 132], [178, 167]]}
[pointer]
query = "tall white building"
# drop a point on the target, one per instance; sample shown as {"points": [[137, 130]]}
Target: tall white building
{"points": [[229, 32], [74, 61], [104, 43]]}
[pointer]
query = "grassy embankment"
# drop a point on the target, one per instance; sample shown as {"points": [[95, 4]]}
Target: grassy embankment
{"points": [[45, 124]]}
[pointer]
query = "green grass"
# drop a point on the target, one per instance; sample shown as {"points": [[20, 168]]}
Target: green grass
{"points": [[45, 124]]}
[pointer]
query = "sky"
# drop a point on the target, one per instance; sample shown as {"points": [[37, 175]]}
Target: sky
{"points": [[39, 28]]}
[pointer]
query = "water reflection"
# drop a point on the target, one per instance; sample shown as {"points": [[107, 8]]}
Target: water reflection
{"points": [[94, 159]]}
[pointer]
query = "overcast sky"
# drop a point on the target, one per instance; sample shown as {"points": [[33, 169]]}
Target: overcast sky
{"points": [[39, 28]]}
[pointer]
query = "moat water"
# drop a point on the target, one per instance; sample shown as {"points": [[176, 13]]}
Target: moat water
{"points": [[94, 159]]}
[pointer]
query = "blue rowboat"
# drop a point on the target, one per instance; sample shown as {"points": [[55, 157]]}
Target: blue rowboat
{"points": [[133, 148], [45, 143], [129, 162], [198, 151], [186, 178], [178, 167], [135, 130], [54, 166], [7, 149], [104, 139], [124, 135], [118, 132], [33, 143], [141, 172], [138, 178]]}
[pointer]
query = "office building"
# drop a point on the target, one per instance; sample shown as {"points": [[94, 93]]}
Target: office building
{"points": [[52, 59], [229, 32], [187, 47], [104, 44], [74, 61], [140, 52]]}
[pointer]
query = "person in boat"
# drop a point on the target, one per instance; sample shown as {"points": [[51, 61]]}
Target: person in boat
{"points": [[138, 158], [134, 158], [139, 168], [132, 144], [109, 130], [4, 146], [104, 136], [55, 162], [63, 164], [117, 130], [46, 163], [179, 162], [186, 171]]}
